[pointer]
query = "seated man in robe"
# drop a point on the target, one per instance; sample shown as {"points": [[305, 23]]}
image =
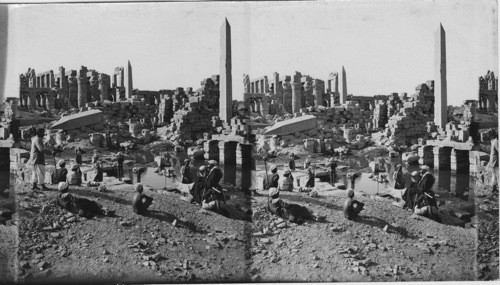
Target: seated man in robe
{"points": [[292, 212], [141, 202], [426, 205], [287, 182], [84, 207], [411, 192], [352, 207], [199, 186]]}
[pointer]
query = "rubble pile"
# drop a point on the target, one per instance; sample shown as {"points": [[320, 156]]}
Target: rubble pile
{"points": [[197, 115], [415, 119], [126, 110]]}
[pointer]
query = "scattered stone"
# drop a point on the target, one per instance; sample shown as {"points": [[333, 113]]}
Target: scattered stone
{"points": [[24, 264], [42, 265], [71, 220], [125, 224], [105, 252], [463, 215], [265, 240], [56, 235], [256, 278]]}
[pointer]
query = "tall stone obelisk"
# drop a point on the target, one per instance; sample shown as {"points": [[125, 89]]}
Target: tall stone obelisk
{"points": [[130, 86], [440, 88], [225, 81], [343, 92]]}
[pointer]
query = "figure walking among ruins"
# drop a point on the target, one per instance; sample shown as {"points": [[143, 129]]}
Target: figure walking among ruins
{"points": [[141, 202], [186, 172], [78, 155], [307, 162], [37, 160], [291, 162], [120, 159], [95, 157], [398, 177], [352, 207], [310, 177], [98, 172], [333, 170], [493, 163]]}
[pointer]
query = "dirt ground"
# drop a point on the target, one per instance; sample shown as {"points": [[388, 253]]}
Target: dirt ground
{"points": [[178, 242]]}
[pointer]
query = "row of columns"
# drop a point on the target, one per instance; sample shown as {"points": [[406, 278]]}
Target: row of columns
{"points": [[229, 153], [445, 158], [33, 98]]}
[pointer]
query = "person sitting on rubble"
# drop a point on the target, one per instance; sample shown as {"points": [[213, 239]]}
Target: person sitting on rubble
{"points": [[292, 212], [61, 173], [398, 177], [352, 207], [141, 202], [311, 175], [199, 185], [75, 175], [307, 162], [426, 205], [272, 180], [411, 192], [186, 173], [291, 162], [287, 182], [83, 207], [426, 180], [78, 155], [214, 175]]}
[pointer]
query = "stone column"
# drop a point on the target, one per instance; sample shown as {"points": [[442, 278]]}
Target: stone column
{"points": [[244, 155], [318, 92], [50, 99], [257, 106], [459, 161], [227, 152], [211, 148], [442, 157], [426, 155], [264, 106], [103, 87], [32, 98], [82, 87], [287, 97], [296, 97]]}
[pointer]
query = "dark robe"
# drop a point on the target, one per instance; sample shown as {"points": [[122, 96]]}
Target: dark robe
{"points": [[291, 164], [426, 182], [272, 181], [292, 212], [60, 175], [310, 180], [186, 174], [197, 190], [352, 208], [399, 180], [410, 195], [84, 207], [214, 177], [140, 203]]}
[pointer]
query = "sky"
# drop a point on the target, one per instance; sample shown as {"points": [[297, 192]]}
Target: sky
{"points": [[385, 46]]}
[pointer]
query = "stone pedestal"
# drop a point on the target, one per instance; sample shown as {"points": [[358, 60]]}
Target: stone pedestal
{"points": [[244, 155], [459, 161], [227, 153], [442, 157], [211, 148], [426, 155]]}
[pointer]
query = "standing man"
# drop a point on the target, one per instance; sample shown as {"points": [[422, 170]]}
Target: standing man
{"points": [[78, 154], [120, 159], [493, 164], [333, 170], [186, 172], [37, 159]]}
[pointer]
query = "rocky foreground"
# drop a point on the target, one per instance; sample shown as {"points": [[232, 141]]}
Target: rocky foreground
{"points": [[179, 242]]}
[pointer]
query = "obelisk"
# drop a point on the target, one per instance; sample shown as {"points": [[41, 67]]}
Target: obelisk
{"points": [[343, 92], [130, 86], [440, 88], [225, 81]]}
